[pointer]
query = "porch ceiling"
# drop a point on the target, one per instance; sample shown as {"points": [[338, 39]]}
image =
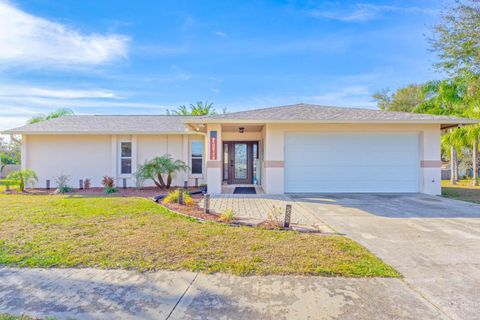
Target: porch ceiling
{"points": [[247, 127]]}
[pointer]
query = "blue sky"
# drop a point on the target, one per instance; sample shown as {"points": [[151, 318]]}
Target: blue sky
{"points": [[144, 57]]}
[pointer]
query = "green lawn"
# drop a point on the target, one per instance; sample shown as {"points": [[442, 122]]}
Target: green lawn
{"points": [[135, 233], [463, 190]]}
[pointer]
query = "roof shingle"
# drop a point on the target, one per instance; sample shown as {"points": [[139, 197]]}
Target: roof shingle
{"points": [[156, 124], [91, 124]]}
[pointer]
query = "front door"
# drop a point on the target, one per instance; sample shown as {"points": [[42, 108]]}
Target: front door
{"points": [[238, 162]]}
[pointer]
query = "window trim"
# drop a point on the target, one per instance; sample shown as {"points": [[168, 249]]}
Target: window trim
{"points": [[121, 157], [191, 157]]}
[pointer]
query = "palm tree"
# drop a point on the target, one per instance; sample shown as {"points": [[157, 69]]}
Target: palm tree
{"points": [[198, 109], [172, 167], [472, 136], [52, 115], [449, 145], [156, 168], [23, 177]]}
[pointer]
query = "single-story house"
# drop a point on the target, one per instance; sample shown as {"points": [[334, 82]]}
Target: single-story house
{"points": [[288, 149]]}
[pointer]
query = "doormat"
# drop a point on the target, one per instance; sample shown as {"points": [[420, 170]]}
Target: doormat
{"points": [[244, 190]]}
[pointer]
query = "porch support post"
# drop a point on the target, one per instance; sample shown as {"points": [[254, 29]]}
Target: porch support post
{"points": [[214, 153]]}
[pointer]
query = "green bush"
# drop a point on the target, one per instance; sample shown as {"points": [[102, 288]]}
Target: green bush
{"points": [[228, 216], [62, 183]]}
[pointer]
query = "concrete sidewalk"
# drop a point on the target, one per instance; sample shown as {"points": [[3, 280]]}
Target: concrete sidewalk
{"points": [[119, 294]]}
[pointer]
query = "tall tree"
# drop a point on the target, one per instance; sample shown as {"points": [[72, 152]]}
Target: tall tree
{"points": [[198, 109], [456, 38], [52, 115], [404, 99]]}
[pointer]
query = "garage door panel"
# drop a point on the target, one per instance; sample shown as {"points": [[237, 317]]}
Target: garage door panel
{"points": [[346, 162], [350, 172]]}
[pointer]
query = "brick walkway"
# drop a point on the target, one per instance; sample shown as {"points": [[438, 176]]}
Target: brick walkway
{"points": [[260, 206]]}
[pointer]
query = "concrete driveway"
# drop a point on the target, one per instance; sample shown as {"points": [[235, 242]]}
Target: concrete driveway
{"points": [[433, 241]]}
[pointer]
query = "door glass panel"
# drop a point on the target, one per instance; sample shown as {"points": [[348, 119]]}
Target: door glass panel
{"points": [[240, 161]]}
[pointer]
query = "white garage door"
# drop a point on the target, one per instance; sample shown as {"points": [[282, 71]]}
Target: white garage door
{"points": [[351, 162]]}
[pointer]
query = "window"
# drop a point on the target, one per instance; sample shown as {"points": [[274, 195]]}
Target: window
{"points": [[197, 157], [125, 158]]}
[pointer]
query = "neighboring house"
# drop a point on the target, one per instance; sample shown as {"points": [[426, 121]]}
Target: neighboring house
{"points": [[297, 148]]}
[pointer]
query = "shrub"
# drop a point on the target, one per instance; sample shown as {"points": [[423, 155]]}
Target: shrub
{"points": [[23, 177], [139, 179], [109, 185], [228, 216], [86, 184], [275, 218], [62, 183], [172, 197]]}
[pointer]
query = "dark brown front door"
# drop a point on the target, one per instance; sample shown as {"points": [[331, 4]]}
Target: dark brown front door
{"points": [[238, 162]]}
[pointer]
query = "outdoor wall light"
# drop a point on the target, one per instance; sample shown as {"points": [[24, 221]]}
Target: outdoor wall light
{"points": [[241, 129]]}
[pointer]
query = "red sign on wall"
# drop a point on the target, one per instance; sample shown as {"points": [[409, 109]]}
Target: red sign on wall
{"points": [[213, 145]]}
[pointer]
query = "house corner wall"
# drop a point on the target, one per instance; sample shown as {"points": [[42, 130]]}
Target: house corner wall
{"points": [[274, 162], [430, 161]]}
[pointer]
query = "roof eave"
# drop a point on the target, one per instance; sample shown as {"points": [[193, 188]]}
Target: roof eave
{"points": [[9, 132], [441, 122]]}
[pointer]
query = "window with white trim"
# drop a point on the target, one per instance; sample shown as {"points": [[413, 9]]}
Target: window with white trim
{"points": [[196, 151], [125, 157]]}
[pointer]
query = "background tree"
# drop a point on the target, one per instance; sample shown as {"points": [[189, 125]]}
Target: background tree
{"points": [[456, 38], [198, 109], [456, 41], [404, 99], [52, 115]]}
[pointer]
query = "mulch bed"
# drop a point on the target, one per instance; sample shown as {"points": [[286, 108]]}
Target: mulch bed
{"points": [[193, 210]]}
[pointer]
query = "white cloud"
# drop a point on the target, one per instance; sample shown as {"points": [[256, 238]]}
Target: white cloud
{"points": [[221, 34], [361, 12], [25, 91], [29, 40]]}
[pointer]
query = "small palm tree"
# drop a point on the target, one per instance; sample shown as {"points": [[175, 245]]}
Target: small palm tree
{"points": [[23, 177], [52, 115], [156, 168], [172, 167]]}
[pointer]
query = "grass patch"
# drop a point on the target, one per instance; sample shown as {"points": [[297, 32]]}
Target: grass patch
{"points": [[135, 233], [463, 190]]}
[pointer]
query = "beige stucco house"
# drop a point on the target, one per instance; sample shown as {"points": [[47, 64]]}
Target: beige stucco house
{"points": [[289, 149]]}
